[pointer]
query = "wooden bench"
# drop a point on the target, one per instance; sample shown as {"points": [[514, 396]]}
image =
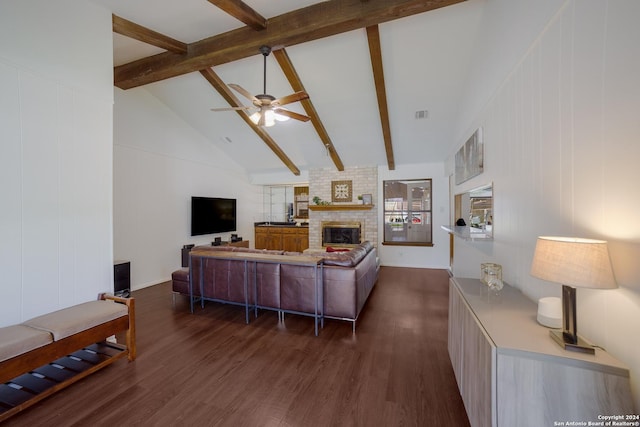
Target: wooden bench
{"points": [[50, 352]]}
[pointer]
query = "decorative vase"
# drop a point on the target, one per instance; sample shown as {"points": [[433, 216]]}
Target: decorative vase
{"points": [[491, 275]]}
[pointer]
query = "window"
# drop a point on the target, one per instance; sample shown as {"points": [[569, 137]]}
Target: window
{"points": [[407, 212]]}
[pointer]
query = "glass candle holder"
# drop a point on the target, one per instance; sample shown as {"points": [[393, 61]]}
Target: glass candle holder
{"points": [[491, 275]]}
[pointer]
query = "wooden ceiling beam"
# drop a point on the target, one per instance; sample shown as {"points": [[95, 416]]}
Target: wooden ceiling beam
{"points": [[375, 51], [226, 93], [310, 23], [242, 12], [145, 35], [294, 80]]}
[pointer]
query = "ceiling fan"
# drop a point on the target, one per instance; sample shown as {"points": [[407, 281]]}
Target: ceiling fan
{"points": [[269, 107]]}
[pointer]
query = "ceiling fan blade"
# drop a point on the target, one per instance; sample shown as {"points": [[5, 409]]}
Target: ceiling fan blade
{"points": [[243, 92], [292, 114], [245, 107], [294, 97]]}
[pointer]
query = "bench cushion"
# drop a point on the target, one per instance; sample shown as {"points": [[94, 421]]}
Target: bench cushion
{"points": [[69, 321], [18, 339]]}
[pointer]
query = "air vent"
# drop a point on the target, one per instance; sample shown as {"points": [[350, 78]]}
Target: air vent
{"points": [[422, 114]]}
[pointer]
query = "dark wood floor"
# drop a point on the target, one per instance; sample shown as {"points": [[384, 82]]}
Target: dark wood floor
{"points": [[212, 369]]}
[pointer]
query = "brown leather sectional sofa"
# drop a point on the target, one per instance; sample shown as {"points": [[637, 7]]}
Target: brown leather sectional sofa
{"points": [[276, 281]]}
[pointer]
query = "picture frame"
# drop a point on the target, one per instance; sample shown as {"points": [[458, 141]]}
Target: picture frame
{"points": [[341, 191], [367, 199], [469, 160]]}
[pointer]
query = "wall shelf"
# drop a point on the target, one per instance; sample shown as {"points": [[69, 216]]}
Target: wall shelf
{"points": [[466, 233], [340, 207]]}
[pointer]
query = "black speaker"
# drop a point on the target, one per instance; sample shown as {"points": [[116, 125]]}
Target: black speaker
{"points": [[185, 254], [122, 278]]}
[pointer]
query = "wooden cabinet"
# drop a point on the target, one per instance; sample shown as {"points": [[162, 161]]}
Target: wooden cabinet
{"points": [[470, 352], [293, 239], [262, 237], [268, 238], [510, 372]]}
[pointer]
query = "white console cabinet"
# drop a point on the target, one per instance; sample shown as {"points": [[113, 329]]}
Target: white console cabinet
{"points": [[511, 373]]}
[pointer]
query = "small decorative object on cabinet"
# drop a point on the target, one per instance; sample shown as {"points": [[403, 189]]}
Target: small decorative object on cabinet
{"points": [[550, 312], [367, 199], [491, 275]]}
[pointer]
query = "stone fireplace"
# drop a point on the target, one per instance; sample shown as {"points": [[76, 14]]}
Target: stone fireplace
{"points": [[341, 233], [365, 181]]}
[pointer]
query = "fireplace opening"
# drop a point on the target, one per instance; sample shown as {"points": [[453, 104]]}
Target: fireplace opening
{"points": [[341, 233]]}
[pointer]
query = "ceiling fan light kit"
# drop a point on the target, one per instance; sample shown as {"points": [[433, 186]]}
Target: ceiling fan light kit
{"points": [[269, 108]]}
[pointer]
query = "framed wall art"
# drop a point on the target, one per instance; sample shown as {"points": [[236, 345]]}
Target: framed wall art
{"points": [[469, 161], [341, 191]]}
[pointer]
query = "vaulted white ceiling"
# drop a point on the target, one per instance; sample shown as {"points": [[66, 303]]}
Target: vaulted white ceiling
{"points": [[426, 59]]}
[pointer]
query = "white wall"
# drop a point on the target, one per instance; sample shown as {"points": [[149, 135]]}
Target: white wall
{"points": [[561, 147], [55, 155], [436, 256], [159, 163]]}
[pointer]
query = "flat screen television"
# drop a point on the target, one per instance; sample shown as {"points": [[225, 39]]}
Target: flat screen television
{"points": [[212, 215]]}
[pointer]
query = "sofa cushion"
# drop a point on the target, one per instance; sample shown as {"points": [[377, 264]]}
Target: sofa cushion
{"points": [[181, 275], [180, 282], [348, 259], [226, 248], [18, 339], [340, 259], [258, 251], [71, 320], [332, 249]]}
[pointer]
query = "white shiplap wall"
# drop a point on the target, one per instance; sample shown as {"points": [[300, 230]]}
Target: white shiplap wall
{"points": [[562, 149], [55, 156]]}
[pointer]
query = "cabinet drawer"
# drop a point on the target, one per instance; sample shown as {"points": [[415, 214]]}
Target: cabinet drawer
{"points": [[288, 230]]}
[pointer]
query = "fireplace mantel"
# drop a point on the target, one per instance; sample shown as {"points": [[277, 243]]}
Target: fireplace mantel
{"points": [[340, 207]]}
